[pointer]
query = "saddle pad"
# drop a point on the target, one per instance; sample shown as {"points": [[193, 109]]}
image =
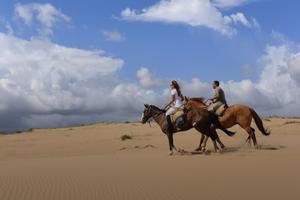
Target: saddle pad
{"points": [[220, 111], [177, 114]]}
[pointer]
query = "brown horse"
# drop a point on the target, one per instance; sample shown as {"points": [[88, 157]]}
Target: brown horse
{"points": [[236, 114], [197, 118]]}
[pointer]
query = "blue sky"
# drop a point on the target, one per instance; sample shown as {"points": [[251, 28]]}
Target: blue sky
{"points": [[247, 44], [172, 50]]}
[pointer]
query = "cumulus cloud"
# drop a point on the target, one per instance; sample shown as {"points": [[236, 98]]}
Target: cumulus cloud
{"points": [[294, 68], [113, 36], [45, 14], [277, 90], [246, 71], [194, 13], [39, 79], [146, 79], [238, 18], [43, 84]]}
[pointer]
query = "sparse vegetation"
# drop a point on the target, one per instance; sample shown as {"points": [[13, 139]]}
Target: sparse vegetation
{"points": [[126, 137], [267, 119], [291, 122], [30, 130]]}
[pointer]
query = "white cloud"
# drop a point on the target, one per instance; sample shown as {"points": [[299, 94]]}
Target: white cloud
{"points": [[247, 71], [146, 79], [238, 18], [193, 13], [40, 78], [46, 84], [46, 14], [113, 36], [294, 68], [277, 90]]}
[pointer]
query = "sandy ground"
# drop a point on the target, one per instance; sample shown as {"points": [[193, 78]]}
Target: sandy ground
{"points": [[91, 162]]}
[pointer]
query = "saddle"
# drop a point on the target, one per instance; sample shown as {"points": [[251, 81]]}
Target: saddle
{"points": [[178, 118], [221, 110], [177, 114]]}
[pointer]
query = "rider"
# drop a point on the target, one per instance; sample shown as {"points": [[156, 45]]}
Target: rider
{"points": [[175, 103], [219, 98]]}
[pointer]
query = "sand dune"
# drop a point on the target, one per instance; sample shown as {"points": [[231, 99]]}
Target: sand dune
{"points": [[92, 162]]}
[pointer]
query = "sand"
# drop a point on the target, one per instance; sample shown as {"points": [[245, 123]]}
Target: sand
{"points": [[91, 162]]}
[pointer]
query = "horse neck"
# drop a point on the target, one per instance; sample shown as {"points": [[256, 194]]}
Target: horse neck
{"points": [[201, 104], [159, 117]]}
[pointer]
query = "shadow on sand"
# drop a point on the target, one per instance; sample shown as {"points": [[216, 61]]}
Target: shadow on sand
{"points": [[183, 152], [270, 147]]}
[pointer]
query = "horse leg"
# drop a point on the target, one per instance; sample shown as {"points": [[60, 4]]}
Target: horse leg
{"points": [[204, 137], [214, 136], [201, 142], [254, 137], [217, 138], [220, 143], [251, 132], [171, 142], [203, 146]]}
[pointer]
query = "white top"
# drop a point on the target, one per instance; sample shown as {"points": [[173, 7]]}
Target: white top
{"points": [[178, 101]]}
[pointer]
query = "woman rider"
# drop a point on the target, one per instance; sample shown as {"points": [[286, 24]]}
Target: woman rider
{"points": [[175, 103]]}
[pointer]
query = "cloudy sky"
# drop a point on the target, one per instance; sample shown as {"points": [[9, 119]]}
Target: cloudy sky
{"points": [[72, 62]]}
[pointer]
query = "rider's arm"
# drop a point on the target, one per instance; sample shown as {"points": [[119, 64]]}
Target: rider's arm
{"points": [[171, 101], [216, 97]]}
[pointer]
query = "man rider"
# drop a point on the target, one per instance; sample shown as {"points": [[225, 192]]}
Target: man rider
{"points": [[219, 98]]}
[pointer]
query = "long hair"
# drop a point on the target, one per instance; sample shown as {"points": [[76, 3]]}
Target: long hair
{"points": [[177, 87]]}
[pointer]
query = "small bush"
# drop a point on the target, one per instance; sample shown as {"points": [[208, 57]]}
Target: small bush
{"points": [[291, 122], [126, 137]]}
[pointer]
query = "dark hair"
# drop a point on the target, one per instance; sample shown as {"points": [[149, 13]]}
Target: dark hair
{"points": [[177, 87], [216, 82]]}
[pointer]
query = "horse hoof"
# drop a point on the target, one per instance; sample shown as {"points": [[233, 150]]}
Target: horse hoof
{"points": [[198, 149], [219, 151], [171, 153], [181, 151]]}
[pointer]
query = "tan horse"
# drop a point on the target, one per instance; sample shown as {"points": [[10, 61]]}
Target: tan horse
{"points": [[197, 118], [236, 114]]}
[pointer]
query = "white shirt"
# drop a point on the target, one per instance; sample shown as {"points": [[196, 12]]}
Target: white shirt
{"points": [[178, 101]]}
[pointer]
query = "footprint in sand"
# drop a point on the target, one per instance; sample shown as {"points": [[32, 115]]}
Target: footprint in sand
{"points": [[138, 147]]}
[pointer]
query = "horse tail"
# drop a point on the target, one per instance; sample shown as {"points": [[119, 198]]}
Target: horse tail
{"points": [[215, 121], [259, 123]]}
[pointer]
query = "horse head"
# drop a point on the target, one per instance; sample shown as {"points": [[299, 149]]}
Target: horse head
{"points": [[150, 111]]}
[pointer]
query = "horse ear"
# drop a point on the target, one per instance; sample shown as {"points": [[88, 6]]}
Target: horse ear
{"points": [[186, 98], [146, 105]]}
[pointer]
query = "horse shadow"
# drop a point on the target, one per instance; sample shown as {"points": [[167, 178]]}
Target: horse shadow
{"points": [[230, 150]]}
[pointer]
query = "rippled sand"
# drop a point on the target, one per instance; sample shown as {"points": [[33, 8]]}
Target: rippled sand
{"points": [[91, 162]]}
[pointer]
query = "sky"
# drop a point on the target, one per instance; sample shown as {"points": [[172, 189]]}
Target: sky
{"points": [[67, 62]]}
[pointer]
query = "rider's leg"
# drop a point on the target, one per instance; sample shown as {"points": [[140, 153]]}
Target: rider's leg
{"points": [[169, 112]]}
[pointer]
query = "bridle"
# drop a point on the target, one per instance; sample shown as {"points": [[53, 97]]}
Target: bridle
{"points": [[157, 113]]}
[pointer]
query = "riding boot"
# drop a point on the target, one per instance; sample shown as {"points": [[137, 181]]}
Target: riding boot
{"points": [[170, 125]]}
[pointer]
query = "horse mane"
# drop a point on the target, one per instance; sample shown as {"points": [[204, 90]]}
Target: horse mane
{"points": [[157, 108], [198, 99]]}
